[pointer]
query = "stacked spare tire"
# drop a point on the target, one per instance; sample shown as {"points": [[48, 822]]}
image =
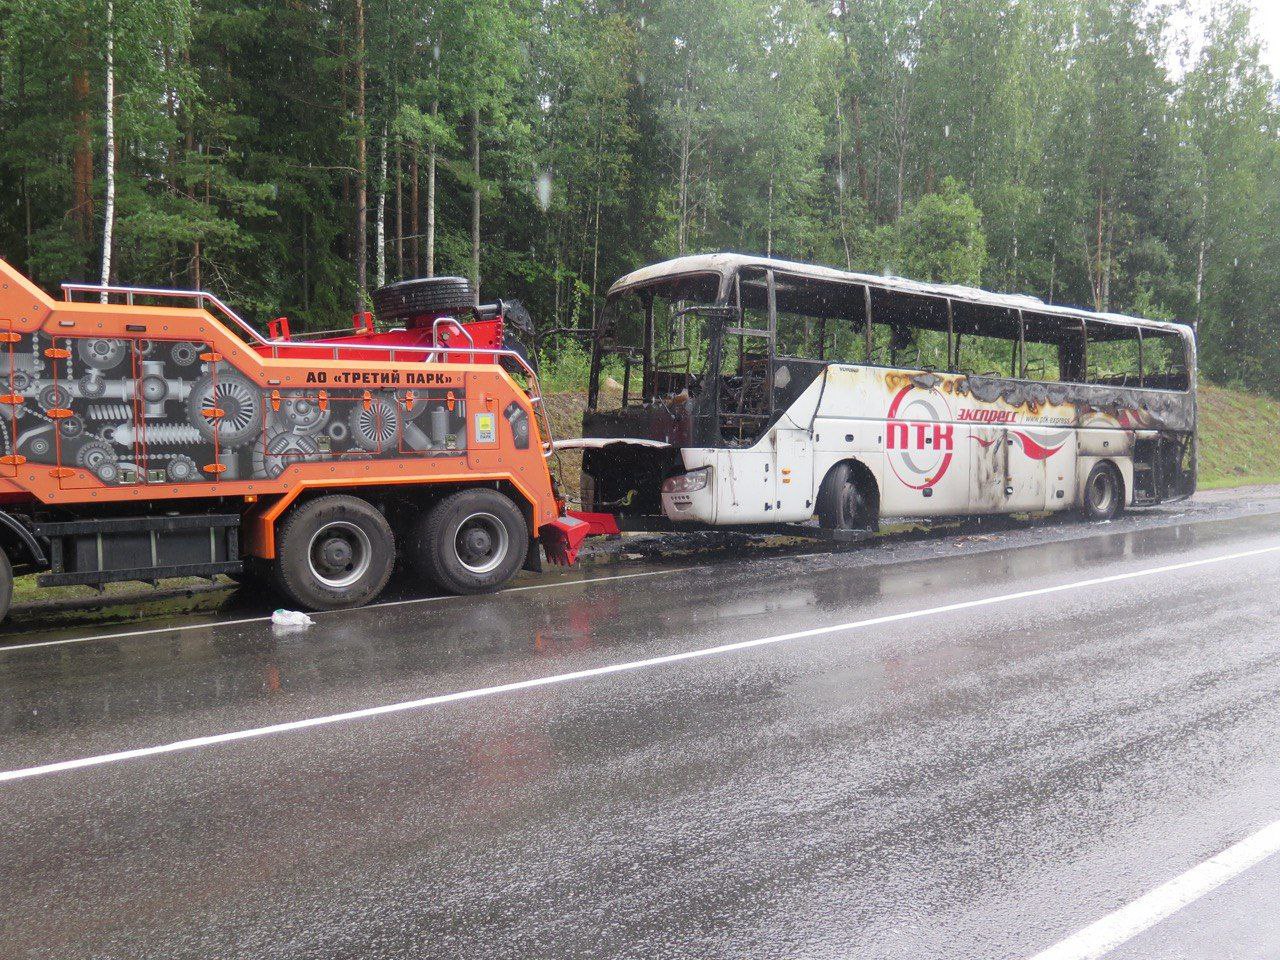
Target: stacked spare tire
{"points": [[423, 298]]}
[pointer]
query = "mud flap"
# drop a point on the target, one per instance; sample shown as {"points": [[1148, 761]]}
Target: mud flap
{"points": [[562, 539]]}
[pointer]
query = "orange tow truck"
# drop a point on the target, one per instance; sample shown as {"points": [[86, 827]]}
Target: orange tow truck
{"points": [[148, 434]]}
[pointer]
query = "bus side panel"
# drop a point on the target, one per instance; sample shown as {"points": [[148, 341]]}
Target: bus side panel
{"points": [[1098, 443], [744, 481]]}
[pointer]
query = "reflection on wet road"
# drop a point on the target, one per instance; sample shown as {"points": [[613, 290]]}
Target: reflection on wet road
{"points": [[979, 782]]}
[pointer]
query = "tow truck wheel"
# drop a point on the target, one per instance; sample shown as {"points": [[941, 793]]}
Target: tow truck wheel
{"points": [[1103, 493], [6, 585], [333, 552], [471, 542]]}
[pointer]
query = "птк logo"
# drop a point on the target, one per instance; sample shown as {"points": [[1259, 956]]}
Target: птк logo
{"points": [[919, 438]]}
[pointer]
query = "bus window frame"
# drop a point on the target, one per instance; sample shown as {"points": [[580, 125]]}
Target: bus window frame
{"points": [[729, 294]]}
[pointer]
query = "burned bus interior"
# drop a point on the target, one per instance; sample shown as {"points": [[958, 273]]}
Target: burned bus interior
{"points": [[714, 359]]}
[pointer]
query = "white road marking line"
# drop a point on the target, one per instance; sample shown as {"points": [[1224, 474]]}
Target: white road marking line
{"points": [[24, 773], [1113, 930], [372, 606]]}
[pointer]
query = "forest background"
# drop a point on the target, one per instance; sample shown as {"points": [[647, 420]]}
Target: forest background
{"points": [[292, 155]]}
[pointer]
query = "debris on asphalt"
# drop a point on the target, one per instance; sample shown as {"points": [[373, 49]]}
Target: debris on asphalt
{"points": [[290, 618]]}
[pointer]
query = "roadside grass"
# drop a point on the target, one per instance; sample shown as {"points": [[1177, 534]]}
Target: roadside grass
{"points": [[1239, 438]]}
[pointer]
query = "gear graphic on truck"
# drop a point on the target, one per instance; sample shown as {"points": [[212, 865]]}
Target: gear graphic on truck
{"points": [[239, 401], [282, 450], [304, 412], [185, 352], [102, 354], [376, 425], [100, 459], [181, 469]]}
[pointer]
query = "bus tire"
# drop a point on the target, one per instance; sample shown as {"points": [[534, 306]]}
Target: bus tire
{"points": [[1103, 495], [333, 552], [844, 502], [6, 585], [472, 541]]}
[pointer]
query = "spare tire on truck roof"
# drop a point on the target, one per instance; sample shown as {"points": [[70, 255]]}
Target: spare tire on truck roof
{"points": [[425, 295]]}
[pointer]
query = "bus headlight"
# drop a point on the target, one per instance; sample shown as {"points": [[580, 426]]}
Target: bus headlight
{"points": [[687, 482]]}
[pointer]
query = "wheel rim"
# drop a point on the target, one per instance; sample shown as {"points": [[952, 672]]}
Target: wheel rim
{"points": [[481, 543], [1101, 492], [339, 554]]}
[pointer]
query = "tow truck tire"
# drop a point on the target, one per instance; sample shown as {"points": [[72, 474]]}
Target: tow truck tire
{"points": [[425, 295], [1103, 496], [472, 541], [333, 552], [6, 585]]}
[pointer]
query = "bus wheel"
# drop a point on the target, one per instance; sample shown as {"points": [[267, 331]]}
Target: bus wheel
{"points": [[6, 585], [471, 542], [333, 552], [843, 503], [1103, 493]]}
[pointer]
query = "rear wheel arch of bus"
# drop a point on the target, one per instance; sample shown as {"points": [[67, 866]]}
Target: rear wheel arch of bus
{"points": [[1103, 495], [849, 497]]}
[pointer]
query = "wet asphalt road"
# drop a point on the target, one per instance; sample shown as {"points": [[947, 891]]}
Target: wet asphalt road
{"points": [[975, 783]]}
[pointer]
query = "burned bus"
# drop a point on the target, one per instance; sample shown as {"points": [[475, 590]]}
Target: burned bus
{"points": [[729, 389]]}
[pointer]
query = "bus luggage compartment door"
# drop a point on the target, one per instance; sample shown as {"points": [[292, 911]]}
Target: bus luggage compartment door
{"points": [[1009, 468], [793, 474]]}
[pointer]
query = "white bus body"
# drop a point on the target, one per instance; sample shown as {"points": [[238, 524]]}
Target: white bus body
{"points": [[913, 442]]}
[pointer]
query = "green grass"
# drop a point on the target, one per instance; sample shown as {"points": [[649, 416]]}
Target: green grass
{"points": [[1239, 438]]}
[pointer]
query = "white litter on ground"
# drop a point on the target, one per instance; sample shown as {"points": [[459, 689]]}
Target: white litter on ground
{"points": [[291, 618]]}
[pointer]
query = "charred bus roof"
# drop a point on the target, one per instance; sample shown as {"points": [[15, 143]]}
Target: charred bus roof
{"points": [[682, 276]]}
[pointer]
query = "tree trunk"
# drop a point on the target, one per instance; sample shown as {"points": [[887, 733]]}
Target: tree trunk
{"points": [[840, 182], [415, 248], [189, 148], [864, 187], [595, 242], [306, 264], [768, 235], [362, 172], [1204, 211], [399, 212], [82, 160], [108, 226], [475, 204], [26, 187], [381, 253], [431, 198], [685, 137]]}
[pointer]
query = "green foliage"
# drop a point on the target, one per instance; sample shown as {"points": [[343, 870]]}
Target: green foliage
{"points": [[1037, 146], [939, 239]]}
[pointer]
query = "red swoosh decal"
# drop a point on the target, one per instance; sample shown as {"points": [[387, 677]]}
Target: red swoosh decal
{"points": [[1034, 450], [982, 443]]}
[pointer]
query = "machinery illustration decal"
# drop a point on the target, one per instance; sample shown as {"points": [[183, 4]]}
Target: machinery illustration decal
{"points": [[163, 411], [919, 438]]}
